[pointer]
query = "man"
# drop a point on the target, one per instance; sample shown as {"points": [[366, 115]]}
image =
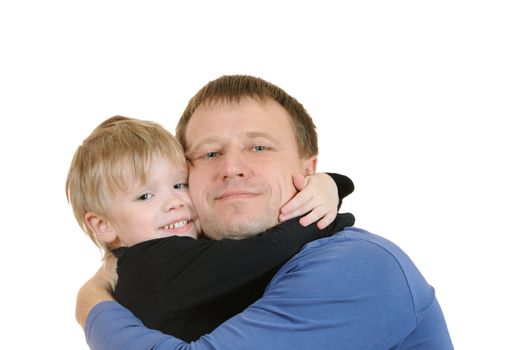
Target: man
{"points": [[244, 139]]}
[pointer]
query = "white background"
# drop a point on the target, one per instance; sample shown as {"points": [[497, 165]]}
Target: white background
{"points": [[411, 100]]}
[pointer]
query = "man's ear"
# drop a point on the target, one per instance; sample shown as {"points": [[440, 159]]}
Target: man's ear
{"points": [[310, 165], [100, 227]]}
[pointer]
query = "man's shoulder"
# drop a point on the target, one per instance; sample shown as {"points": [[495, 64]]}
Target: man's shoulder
{"points": [[354, 240], [351, 250], [379, 247], [361, 260], [362, 250], [367, 240]]}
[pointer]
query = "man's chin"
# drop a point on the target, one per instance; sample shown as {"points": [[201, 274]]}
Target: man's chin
{"points": [[238, 226]]}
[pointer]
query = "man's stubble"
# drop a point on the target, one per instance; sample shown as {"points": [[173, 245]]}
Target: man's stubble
{"points": [[238, 221]]}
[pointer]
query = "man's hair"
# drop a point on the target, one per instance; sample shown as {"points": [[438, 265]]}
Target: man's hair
{"points": [[117, 151], [232, 88]]}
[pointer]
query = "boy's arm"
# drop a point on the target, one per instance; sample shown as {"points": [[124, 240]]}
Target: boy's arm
{"points": [[98, 288], [320, 197], [344, 186], [237, 263], [220, 267]]}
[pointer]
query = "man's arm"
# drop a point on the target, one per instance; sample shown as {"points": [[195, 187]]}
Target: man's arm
{"points": [[347, 293], [122, 330]]}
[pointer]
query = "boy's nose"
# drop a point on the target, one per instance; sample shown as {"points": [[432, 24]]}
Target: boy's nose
{"points": [[173, 204]]}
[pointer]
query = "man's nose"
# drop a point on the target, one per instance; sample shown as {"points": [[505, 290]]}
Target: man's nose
{"points": [[235, 165]]}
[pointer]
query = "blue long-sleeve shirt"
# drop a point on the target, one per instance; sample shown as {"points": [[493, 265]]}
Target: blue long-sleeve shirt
{"points": [[354, 290]]}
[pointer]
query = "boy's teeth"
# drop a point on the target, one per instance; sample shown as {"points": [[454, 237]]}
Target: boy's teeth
{"points": [[176, 225], [180, 223]]}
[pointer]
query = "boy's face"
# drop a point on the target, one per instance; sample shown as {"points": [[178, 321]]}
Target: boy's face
{"points": [[161, 207]]}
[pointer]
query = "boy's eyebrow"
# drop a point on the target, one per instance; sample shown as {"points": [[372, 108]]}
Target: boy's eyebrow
{"points": [[183, 173]]}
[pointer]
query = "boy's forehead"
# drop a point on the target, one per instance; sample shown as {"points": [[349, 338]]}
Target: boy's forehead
{"points": [[177, 165], [132, 182], [136, 171]]}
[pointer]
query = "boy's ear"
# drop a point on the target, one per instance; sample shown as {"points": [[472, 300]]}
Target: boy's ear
{"points": [[100, 227]]}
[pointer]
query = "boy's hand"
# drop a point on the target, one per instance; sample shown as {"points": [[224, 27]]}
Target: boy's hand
{"points": [[97, 289], [317, 196]]}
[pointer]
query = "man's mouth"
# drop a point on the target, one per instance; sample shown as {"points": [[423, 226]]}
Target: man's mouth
{"points": [[235, 195]]}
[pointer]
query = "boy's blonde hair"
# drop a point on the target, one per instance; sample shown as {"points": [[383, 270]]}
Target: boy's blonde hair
{"points": [[118, 150]]}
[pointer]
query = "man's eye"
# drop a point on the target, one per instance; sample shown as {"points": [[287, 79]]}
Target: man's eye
{"points": [[259, 148], [211, 154], [145, 197], [181, 186]]}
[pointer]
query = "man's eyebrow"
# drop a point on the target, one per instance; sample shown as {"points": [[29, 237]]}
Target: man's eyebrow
{"points": [[205, 141], [256, 134], [210, 140]]}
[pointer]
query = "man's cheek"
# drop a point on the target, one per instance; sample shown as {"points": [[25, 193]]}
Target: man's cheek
{"points": [[288, 190], [197, 201]]}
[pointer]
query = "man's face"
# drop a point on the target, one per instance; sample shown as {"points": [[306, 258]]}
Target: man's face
{"points": [[242, 158]]}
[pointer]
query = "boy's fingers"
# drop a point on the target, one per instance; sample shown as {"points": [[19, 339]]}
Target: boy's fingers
{"points": [[297, 205], [313, 216], [299, 181], [325, 221]]}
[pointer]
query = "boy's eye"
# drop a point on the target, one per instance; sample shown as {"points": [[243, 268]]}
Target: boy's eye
{"points": [[181, 186], [145, 197]]}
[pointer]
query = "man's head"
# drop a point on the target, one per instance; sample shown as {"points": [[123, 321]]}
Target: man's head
{"points": [[232, 88], [244, 139], [118, 158]]}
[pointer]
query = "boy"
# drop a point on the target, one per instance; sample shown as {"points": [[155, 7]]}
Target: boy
{"points": [[127, 185]]}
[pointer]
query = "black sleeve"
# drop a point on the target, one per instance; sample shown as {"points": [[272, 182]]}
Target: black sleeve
{"points": [[344, 186], [209, 269]]}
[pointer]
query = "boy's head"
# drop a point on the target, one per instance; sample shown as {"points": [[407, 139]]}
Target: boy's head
{"points": [[128, 172]]}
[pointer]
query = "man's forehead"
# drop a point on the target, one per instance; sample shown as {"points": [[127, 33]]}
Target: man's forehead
{"points": [[248, 118], [232, 101], [242, 107]]}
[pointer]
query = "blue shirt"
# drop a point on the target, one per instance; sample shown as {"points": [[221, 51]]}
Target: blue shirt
{"points": [[354, 290]]}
